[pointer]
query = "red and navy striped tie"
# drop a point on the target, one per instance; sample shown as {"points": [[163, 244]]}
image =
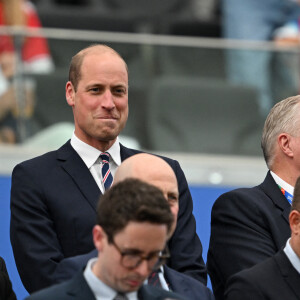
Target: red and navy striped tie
{"points": [[107, 178], [153, 279]]}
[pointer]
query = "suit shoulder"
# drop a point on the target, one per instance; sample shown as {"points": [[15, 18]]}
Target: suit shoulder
{"points": [[175, 278], [151, 292], [39, 159], [45, 160], [258, 273], [54, 292], [241, 196], [130, 152]]}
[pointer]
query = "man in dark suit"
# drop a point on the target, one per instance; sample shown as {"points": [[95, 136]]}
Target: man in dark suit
{"points": [[133, 225], [144, 166], [277, 277], [6, 291], [54, 196], [250, 225]]}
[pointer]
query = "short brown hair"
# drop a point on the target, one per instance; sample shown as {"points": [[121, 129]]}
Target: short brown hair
{"points": [[132, 200], [77, 59]]}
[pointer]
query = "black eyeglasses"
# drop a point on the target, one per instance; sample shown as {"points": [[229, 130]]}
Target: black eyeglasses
{"points": [[131, 259]]}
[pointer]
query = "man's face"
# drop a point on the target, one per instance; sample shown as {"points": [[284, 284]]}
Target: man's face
{"points": [[100, 104], [142, 238], [167, 183]]}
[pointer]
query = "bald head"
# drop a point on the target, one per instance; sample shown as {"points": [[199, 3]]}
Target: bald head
{"points": [[153, 170]]}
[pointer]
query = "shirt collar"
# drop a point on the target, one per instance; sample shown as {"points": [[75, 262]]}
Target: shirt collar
{"points": [[282, 183], [292, 256], [90, 154], [98, 287]]}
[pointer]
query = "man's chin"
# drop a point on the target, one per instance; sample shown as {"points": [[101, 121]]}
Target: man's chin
{"points": [[133, 284], [108, 136]]}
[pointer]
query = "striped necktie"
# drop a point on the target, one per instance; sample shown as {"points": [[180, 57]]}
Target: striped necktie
{"points": [[153, 279], [120, 296], [107, 178]]}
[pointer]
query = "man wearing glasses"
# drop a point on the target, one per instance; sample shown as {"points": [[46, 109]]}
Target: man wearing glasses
{"points": [[133, 224], [144, 166]]}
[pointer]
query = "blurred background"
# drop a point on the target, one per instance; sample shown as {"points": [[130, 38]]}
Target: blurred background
{"points": [[203, 74]]}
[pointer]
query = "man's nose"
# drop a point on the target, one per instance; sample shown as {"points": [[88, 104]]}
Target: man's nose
{"points": [[108, 100], [143, 269]]}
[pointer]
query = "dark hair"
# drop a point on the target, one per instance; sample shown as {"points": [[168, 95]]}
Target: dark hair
{"points": [[132, 200], [77, 59], [296, 197]]}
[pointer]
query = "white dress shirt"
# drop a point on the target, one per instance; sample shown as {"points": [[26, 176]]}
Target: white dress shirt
{"points": [[90, 156], [292, 256], [100, 290], [282, 183]]}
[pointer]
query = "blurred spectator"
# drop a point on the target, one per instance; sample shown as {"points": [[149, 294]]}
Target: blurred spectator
{"points": [[258, 20], [32, 52]]}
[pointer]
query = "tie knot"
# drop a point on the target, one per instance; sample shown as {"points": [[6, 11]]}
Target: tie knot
{"points": [[105, 157], [120, 296]]}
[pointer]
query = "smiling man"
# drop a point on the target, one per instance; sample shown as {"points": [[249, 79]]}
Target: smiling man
{"points": [[133, 225], [54, 196]]}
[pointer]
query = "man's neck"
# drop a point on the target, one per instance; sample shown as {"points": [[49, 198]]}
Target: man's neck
{"points": [[286, 174], [100, 145]]}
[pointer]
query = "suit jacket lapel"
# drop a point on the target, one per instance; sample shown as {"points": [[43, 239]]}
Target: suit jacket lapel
{"points": [[272, 190], [127, 152], [289, 273], [79, 289], [177, 283], [72, 163]]}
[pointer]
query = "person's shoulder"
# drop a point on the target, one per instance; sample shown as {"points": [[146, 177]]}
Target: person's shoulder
{"points": [[151, 292], [43, 160], [2, 264], [241, 196], [193, 284], [130, 152], [258, 273], [57, 291]]}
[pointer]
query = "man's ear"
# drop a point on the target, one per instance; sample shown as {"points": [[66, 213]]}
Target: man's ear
{"points": [[70, 93], [285, 144], [99, 236], [294, 219]]}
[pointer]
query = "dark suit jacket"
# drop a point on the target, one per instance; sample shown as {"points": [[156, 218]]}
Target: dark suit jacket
{"points": [[6, 291], [53, 211], [77, 288], [186, 286], [247, 226], [180, 283], [275, 279]]}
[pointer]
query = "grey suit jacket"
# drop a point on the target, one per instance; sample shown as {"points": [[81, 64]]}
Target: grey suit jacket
{"points": [[275, 279], [77, 288]]}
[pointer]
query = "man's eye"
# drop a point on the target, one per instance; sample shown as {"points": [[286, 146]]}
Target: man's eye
{"points": [[120, 91], [172, 199], [95, 89]]}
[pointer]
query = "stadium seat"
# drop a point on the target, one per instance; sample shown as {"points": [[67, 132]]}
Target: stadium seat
{"points": [[203, 116]]}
